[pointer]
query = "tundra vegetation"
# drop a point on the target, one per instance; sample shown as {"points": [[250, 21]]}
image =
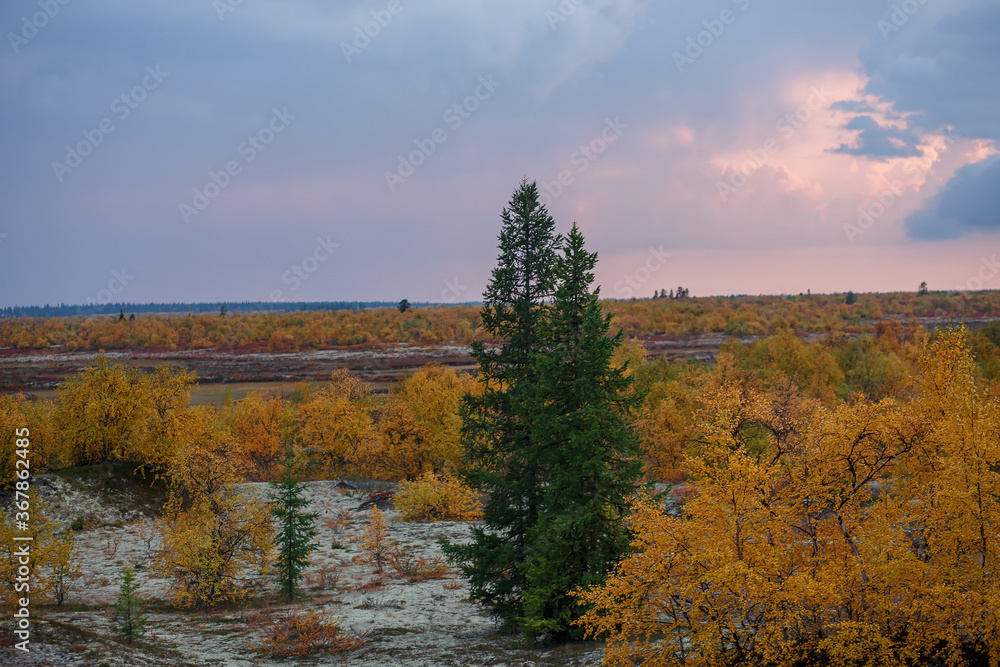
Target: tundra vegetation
{"points": [[658, 315], [833, 474]]}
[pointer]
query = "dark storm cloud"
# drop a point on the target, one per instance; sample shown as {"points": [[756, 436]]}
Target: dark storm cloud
{"points": [[969, 202], [879, 142], [946, 71]]}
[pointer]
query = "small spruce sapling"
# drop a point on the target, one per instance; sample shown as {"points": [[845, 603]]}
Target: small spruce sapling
{"points": [[296, 526], [128, 613]]}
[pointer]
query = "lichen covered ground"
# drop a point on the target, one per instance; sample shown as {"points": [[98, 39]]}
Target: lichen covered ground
{"points": [[424, 623]]}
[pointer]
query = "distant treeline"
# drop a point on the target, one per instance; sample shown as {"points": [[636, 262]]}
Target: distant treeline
{"points": [[68, 310], [288, 327]]}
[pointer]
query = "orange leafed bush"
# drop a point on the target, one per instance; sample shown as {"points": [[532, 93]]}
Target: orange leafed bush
{"points": [[375, 541], [260, 425], [433, 498], [336, 422], [419, 424], [864, 534], [302, 634], [416, 568], [19, 416]]}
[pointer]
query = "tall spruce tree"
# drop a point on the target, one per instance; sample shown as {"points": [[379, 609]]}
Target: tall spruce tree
{"points": [[296, 527], [498, 425], [584, 442]]}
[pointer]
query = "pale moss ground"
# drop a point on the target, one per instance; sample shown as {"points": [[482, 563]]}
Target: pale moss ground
{"points": [[418, 624]]}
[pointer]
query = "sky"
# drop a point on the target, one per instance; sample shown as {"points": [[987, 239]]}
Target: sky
{"points": [[299, 150]]}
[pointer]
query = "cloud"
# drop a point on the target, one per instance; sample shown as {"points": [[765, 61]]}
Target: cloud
{"points": [[879, 142], [942, 69], [475, 35], [945, 66], [853, 106], [561, 81], [969, 203]]}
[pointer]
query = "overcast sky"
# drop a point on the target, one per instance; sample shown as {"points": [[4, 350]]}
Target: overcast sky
{"points": [[203, 150]]}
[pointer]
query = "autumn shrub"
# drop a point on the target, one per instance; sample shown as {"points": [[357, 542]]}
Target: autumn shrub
{"points": [[169, 416], [375, 541], [261, 425], [342, 521], [213, 549], [433, 393], [30, 423], [401, 446], [861, 534], [302, 634], [336, 424], [215, 536], [415, 568], [112, 412], [433, 498], [661, 425], [51, 555], [100, 412], [418, 425], [64, 567], [323, 578]]}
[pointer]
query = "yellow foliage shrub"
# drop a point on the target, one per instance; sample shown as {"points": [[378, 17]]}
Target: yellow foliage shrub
{"points": [[335, 423], [47, 554], [858, 535], [212, 550], [375, 541], [25, 421], [112, 412], [215, 536], [260, 425], [433, 498], [418, 425]]}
